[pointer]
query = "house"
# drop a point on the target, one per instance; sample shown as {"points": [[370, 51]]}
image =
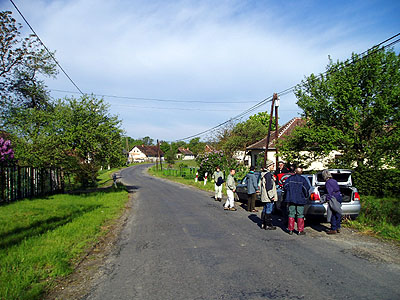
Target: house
{"points": [[145, 153], [209, 149], [259, 147], [185, 154]]}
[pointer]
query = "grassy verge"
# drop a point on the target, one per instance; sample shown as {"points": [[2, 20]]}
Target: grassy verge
{"points": [[188, 181], [42, 239], [379, 216]]}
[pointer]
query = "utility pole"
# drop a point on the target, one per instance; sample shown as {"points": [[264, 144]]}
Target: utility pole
{"points": [[274, 97], [127, 149], [159, 154], [276, 131]]}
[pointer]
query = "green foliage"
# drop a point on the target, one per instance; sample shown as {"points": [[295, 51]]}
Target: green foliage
{"points": [[209, 161], [78, 135], [43, 237], [382, 182], [23, 61], [245, 133], [353, 108], [380, 215], [170, 156]]}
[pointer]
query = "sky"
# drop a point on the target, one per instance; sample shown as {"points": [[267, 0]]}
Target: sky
{"points": [[211, 59]]}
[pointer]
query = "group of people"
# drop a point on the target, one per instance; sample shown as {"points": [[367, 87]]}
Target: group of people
{"points": [[296, 192]]}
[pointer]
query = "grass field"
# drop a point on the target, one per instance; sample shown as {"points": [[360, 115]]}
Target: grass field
{"points": [[379, 216], [42, 239]]}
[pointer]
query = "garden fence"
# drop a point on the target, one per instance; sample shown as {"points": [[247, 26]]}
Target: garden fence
{"points": [[18, 182]]}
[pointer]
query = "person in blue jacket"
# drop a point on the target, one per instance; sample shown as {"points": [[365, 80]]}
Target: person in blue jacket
{"points": [[296, 189], [252, 189]]}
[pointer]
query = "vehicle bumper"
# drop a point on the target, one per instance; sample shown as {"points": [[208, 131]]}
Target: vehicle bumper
{"points": [[318, 209]]}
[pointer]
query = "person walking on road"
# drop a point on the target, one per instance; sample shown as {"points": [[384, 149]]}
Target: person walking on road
{"points": [[218, 178], [296, 194], [230, 190], [334, 199], [268, 196], [252, 189]]}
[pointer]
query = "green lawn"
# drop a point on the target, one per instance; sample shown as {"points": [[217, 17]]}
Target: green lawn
{"points": [[41, 239]]}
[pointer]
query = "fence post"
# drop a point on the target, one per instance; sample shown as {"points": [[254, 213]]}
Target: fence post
{"points": [[2, 181], [19, 182]]}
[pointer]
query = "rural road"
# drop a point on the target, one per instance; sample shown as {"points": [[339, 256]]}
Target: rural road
{"points": [[180, 244]]}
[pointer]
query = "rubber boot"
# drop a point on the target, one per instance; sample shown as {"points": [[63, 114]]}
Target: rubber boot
{"points": [[263, 220], [300, 226], [291, 225], [268, 222]]}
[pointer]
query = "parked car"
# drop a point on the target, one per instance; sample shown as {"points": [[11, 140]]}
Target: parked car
{"points": [[351, 199], [316, 207]]}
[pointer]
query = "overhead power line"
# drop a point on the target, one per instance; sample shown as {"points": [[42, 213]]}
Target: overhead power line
{"points": [[51, 54], [158, 99], [291, 89], [350, 61]]}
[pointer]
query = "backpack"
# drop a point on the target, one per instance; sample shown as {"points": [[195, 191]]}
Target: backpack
{"points": [[219, 181]]}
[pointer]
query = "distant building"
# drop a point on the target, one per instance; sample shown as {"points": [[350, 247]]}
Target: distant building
{"points": [[185, 154], [145, 153]]}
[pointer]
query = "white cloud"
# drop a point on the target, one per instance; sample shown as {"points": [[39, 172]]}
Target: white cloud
{"points": [[226, 50]]}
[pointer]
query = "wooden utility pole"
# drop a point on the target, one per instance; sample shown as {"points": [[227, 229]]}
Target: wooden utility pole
{"points": [[276, 131], [274, 97], [159, 154]]}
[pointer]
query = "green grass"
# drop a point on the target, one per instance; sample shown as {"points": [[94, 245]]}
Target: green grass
{"points": [[188, 181], [379, 216], [42, 239]]}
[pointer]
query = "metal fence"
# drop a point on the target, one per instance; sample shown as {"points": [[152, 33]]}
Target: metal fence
{"points": [[17, 182]]}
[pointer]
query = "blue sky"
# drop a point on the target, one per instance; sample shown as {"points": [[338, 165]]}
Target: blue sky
{"points": [[235, 52]]}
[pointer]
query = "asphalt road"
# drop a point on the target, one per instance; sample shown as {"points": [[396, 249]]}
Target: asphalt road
{"points": [[180, 244]]}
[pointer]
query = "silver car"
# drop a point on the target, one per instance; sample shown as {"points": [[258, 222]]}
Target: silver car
{"points": [[351, 199]]}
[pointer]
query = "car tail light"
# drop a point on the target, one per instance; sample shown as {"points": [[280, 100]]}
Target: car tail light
{"points": [[314, 197], [356, 196]]}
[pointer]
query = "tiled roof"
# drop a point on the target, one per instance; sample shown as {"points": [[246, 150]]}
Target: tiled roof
{"points": [[283, 131], [208, 149], [150, 151], [185, 151]]}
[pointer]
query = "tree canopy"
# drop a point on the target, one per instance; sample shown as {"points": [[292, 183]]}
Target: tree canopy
{"points": [[245, 133], [22, 60], [352, 108]]}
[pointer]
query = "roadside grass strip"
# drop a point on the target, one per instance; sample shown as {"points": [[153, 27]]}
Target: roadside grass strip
{"points": [[188, 181], [379, 216], [41, 240]]}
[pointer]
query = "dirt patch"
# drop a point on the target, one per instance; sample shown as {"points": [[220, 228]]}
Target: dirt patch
{"points": [[360, 245], [78, 284]]}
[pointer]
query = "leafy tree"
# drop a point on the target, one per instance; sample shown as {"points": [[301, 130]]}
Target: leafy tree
{"points": [[22, 61], [196, 146], [352, 108], [78, 135], [246, 133], [209, 161]]}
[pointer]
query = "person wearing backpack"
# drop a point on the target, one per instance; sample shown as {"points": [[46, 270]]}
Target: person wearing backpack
{"points": [[218, 178], [252, 189], [268, 196]]}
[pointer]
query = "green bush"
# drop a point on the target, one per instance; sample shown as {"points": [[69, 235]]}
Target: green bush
{"points": [[381, 183], [209, 161]]}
